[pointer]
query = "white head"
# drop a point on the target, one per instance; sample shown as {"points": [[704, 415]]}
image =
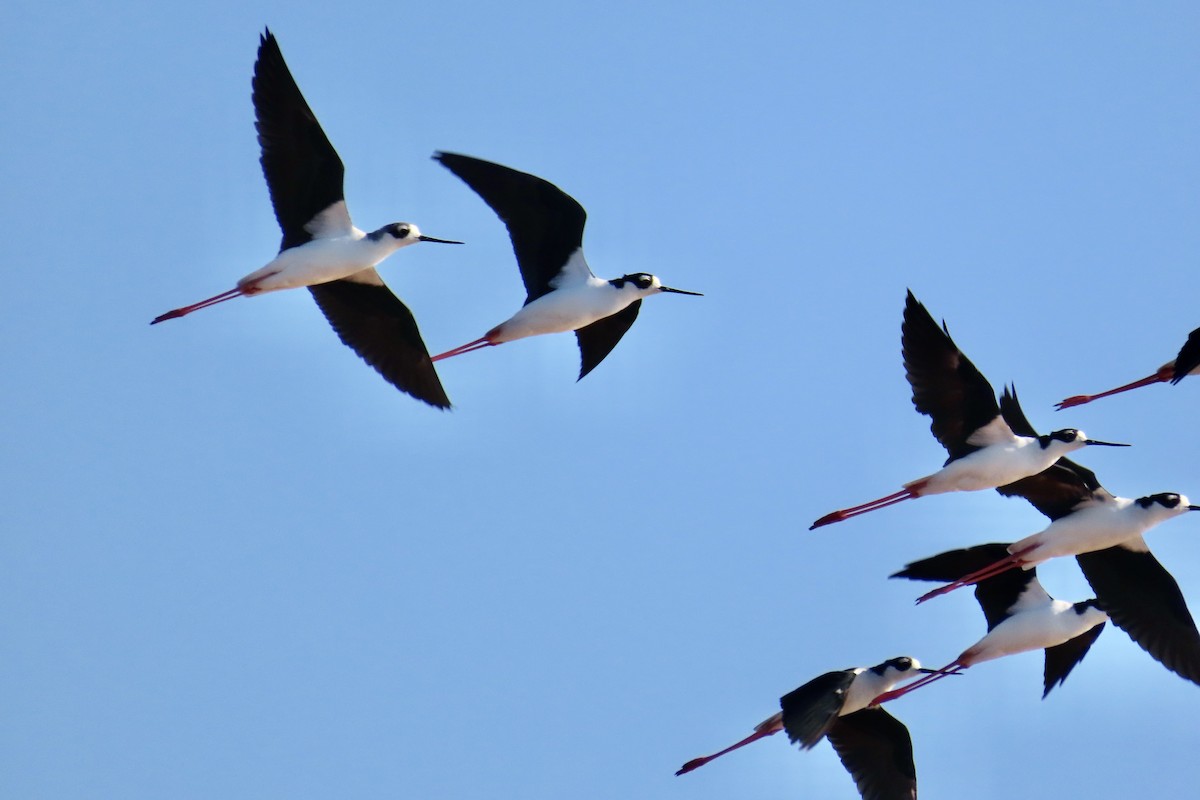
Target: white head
{"points": [[643, 284], [1164, 505], [1069, 439], [402, 234]]}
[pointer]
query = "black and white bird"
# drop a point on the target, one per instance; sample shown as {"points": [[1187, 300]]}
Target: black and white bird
{"points": [[874, 746], [321, 248], [1020, 616], [985, 450], [546, 228], [1104, 533], [1184, 364]]}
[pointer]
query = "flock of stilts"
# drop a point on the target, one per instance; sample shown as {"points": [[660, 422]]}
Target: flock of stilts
{"points": [[990, 442], [993, 446]]}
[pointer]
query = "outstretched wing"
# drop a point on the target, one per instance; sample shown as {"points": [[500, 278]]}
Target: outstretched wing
{"points": [[1062, 658], [810, 710], [597, 340], [303, 171], [1142, 599], [1188, 358], [373, 322], [946, 385], [544, 222], [876, 750]]}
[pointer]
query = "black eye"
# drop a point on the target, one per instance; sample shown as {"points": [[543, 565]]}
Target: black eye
{"points": [[1169, 500], [644, 281], [402, 231]]}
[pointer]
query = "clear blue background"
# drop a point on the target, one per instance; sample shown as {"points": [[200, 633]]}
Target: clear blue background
{"points": [[235, 563]]}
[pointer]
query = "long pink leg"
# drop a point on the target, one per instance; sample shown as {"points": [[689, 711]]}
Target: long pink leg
{"points": [[1003, 565], [478, 344], [953, 668], [854, 511], [212, 301], [754, 737], [1164, 374]]}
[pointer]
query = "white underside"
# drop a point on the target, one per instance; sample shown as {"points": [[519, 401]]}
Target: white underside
{"points": [[1000, 462], [1047, 624], [566, 309], [1094, 526], [321, 261]]}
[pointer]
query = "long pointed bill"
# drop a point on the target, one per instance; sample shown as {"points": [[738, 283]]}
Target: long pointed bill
{"points": [[439, 241], [679, 291], [1193, 508], [1107, 444]]}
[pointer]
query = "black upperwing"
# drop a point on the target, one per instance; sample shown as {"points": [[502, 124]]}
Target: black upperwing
{"points": [[946, 386], [544, 222], [304, 173], [810, 710]]}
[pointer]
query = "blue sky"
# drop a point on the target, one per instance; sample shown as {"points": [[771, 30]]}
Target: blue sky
{"points": [[236, 563]]}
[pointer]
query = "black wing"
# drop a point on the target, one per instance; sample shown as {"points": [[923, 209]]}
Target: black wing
{"points": [[995, 595], [1010, 409], [1142, 599], [544, 222], [810, 710], [372, 322], [945, 384], [1188, 358], [876, 750], [598, 339], [1062, 658], [303, 171]]}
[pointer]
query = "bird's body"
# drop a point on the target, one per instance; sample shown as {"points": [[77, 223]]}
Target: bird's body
{"points": [[1096, 524], [984, 450], [874, 746], [562, 294], [321, 247], [579, 299], [1020, 615], [340, 253], [1186, 363]]}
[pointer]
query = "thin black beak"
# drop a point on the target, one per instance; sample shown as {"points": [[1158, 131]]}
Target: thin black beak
{"points": [[439, 241], [1106, 444], [679, 291], [936, 672], [1193, 508]]}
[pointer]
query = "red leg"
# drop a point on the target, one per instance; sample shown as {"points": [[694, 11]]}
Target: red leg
{"points": [[854, 511], [1003, 565], [754, 737], [1164, 374], [212, 301], [466, 348]]}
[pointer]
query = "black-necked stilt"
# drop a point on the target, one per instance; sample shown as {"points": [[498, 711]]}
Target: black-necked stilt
{"points": [[874, 746], [985, 452], [321, 248], [1104, 533], [1184, 364], [1020, 616], [562, 294]]}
